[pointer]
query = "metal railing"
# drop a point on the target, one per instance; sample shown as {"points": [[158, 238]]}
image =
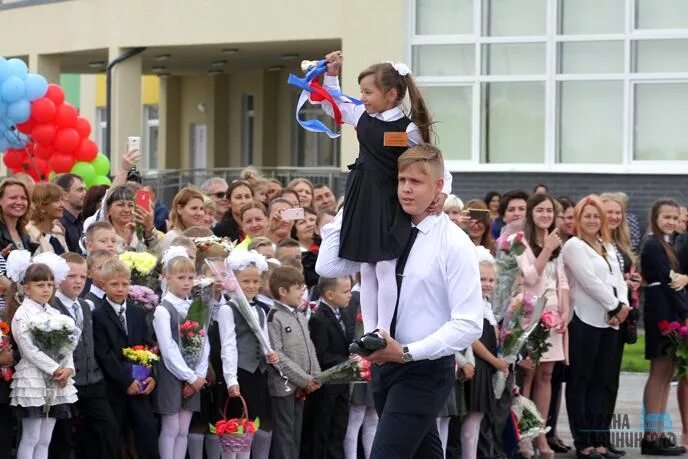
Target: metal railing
{"points": [[168, 182]]}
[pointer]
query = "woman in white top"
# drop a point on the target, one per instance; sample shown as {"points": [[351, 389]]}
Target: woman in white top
{"points": [[599, 299]]}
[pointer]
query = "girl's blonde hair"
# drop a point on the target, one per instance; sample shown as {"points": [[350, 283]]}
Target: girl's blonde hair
{"points": [[179, 265], [621, 235], [387, 78]]}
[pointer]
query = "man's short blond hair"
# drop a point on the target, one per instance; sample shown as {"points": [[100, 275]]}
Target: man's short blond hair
{"points": [[114, 267], [427, 157]]}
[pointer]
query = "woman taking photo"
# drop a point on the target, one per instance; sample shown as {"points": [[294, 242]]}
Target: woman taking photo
{"points": [[239, 194], [122, 213], [478, 229], [254, 222], [665, 299], [599, 298], [304, 190], [44, 228], [543, 274]]}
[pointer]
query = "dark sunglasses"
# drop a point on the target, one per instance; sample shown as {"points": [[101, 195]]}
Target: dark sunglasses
{"points": [[220, 194]]}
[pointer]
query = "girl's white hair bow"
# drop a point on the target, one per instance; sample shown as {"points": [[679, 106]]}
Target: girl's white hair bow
{"points": [[173, 252], [401, 68], [18, 261], [240, 259]]}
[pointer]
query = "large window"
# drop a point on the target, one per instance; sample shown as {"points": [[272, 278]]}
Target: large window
{"points": [[574, 85]]}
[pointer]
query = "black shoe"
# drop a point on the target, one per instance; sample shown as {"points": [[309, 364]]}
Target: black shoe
{"points": [[661, 447], [557, 446], [616, 451], [593, 454], [610, 454]]}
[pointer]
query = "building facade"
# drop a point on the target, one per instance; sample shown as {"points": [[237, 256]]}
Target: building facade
{"points": [[522, 91]]}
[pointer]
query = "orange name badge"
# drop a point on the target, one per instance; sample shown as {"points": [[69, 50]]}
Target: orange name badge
{"points": [[396, 139]]}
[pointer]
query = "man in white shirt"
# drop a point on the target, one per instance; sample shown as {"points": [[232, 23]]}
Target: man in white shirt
{"points": [[438, 313]]}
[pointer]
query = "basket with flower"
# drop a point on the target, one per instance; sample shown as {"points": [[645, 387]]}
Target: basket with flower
{"points": [[140, 360], [236, 434]]}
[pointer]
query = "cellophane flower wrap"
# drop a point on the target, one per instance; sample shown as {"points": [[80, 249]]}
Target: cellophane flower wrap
{"points": [[356, 369], [56, 336], [140, 360], [537, 343], [144, 269], [677, 333], [530, 421], [509, 245], [143, 297], [521, 318], [193, 331], [6, 373]]}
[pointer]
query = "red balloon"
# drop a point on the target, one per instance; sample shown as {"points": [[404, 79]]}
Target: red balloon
{"points": [[13, 159], [55, 93], [87, 152], [44, 134], [61, 164], [26, 127], [83, 127], [66, 116], [43, 151], [37, 168], [43, 110], [67, 141]]}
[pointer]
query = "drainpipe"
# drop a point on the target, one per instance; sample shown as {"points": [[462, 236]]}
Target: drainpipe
{"points": [[108, 97]]}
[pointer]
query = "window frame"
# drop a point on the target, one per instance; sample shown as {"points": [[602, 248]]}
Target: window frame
{"points": [[551, 78]]}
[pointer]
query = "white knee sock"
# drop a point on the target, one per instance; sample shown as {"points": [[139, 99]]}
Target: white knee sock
{"points": [[212, 446], [369, 297], [356, 414], [182, 439], [168, 434], [260, 449], [385, 272], [470, 431], [41, 450], [369, 428], [31, 435], [195, 446], [443, 429]]}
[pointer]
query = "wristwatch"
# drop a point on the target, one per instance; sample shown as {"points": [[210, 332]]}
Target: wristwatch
{"points": [[406, 357]]}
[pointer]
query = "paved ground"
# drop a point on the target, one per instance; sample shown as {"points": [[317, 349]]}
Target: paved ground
{"points": [[628, 418]]}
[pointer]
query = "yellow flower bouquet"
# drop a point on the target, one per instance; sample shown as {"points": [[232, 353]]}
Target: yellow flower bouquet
{"points": [[140, 360], [143, 268]]}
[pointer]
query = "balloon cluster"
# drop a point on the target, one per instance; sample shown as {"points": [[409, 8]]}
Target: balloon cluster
{"points": [[44, 134]]}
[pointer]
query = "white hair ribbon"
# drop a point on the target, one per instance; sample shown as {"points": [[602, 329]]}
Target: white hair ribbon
{"points": [[239, 260], [17, 263], [484, 255], [401, 68], [173, 252], [56, 263]]}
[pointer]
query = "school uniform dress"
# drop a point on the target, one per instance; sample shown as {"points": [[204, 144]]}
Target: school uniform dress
{"points": [[115, 327], [661, 301], [597, 287], [375, 227], [29, 390], [174, 371]]}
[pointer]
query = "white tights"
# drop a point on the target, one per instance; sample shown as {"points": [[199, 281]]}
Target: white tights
{"points": [[360, 417], [35, 438], [378, 294], [174, 435], [443, 430], [470, 432]]}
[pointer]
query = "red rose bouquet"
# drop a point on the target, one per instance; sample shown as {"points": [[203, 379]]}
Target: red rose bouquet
{"points": [[678, 347], [355, 369]]}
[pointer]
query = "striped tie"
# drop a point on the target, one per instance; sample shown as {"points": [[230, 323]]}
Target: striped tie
{"points": [[122, 319]]}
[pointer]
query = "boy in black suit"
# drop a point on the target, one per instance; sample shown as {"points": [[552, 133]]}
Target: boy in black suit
{"points": [[117, 325], [331, 333]]}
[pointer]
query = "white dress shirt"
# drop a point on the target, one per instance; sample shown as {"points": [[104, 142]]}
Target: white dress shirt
{"points": [[228, 346], [97, 291], [440, 308], [591, 282], [351, 113], [119, 309], [169, 349]]}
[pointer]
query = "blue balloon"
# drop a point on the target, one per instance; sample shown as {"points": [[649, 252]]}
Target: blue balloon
{"points": [[36, 86], [19, 111], [17, 140], [5, 69], [4, 144], [13, 89], [18, 67], [3, 109]]}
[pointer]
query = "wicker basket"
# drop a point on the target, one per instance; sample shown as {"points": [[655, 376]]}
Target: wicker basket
{"points": [[236, 443]]}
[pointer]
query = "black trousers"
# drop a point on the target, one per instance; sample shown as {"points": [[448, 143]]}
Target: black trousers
{"points": [[592, 382], [7, 442], [408, 398], [330, 420], [97, 434], [558, 379], [136, 412]]}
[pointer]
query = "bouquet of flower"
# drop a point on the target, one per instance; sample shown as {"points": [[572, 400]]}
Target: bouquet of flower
{"points": [[678, 349], [537, 341], [353, 370], [143, 297], [509, 246], [143, 268], [6, 373], [236, 434], [56, 336], [213, 246], [141, 360], [192, 337], [521, 318], [530, 421]]}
